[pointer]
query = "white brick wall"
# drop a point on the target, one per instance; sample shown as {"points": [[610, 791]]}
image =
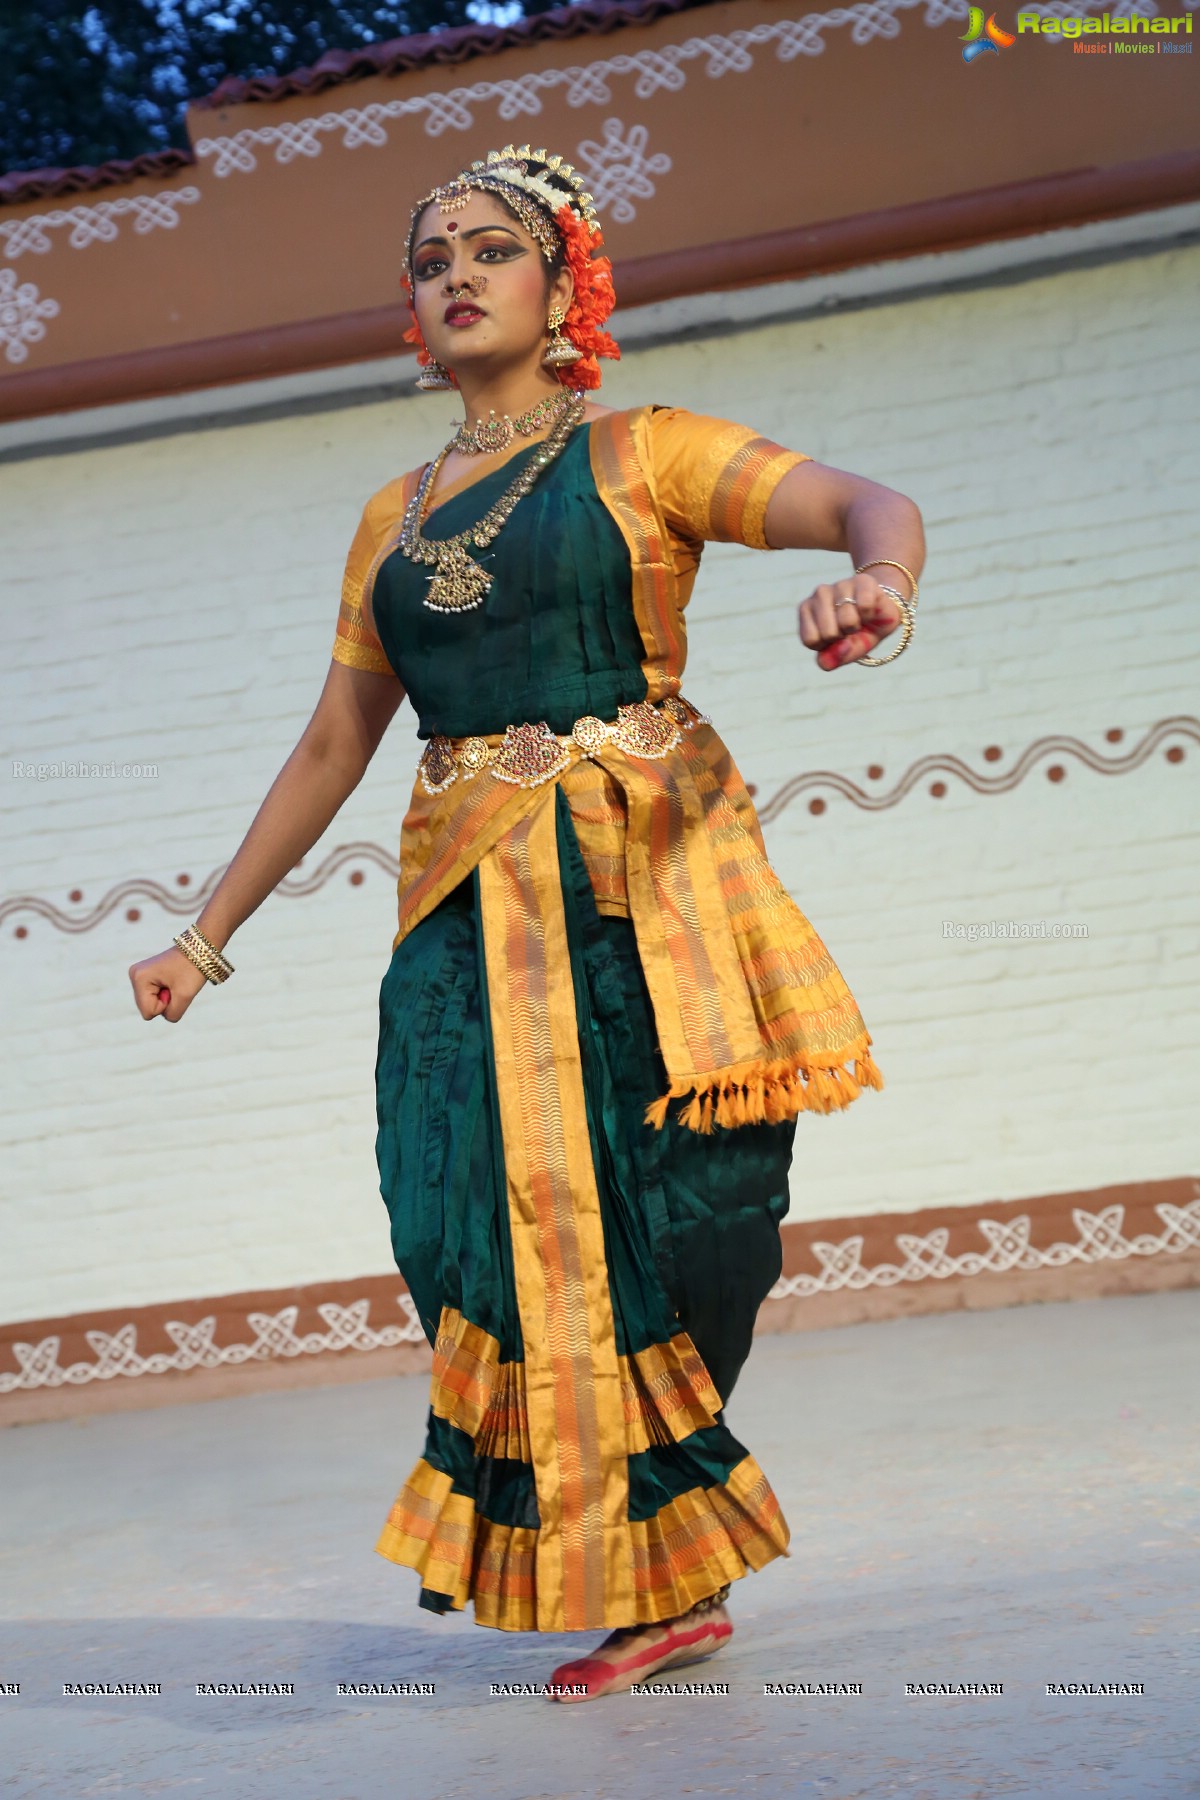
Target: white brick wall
{"points": [[173, 602]]}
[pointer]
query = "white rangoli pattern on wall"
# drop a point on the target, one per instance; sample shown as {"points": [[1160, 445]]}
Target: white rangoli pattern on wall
{"points": [[652, 71], [22, 311], [1101, 1239], [618, 171], [98, 224]]}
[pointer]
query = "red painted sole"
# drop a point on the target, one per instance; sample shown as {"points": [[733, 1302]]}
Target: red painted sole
{"points": [[609, 1674]]}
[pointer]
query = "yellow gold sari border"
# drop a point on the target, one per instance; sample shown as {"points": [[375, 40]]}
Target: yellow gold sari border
{"points": [[685, 1553], [572, 1385]]}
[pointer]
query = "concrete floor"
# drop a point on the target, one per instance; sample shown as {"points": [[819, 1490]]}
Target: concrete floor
{"points": [[994, 1497]]}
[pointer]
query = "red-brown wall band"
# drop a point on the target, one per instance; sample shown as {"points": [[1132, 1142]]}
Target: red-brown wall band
{"points": [[940, 225], [277, 249], [1138, 1237]]}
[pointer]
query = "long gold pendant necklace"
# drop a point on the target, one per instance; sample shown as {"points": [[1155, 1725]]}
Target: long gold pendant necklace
{"points": [[459, 583]]}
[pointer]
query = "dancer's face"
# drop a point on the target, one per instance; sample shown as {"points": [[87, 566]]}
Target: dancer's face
{"points": [[482, 255]]}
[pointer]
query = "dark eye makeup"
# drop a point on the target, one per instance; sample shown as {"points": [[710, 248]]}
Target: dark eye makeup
{"points": [[430, 263]]}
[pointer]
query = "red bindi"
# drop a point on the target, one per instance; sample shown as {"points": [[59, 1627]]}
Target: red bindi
{"points": [[452, 226]]}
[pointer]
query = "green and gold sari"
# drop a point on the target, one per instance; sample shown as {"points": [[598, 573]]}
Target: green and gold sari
{"points": [[602, 1016]]}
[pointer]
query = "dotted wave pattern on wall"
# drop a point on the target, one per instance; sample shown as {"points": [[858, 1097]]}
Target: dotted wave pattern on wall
{"points": [[187, 897]]}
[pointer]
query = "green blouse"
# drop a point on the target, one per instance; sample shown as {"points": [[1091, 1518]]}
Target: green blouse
{"points": [[555, 637]]}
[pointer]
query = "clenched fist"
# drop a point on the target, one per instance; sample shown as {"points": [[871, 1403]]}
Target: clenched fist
{"points": [[164, 986], [843, 620]]}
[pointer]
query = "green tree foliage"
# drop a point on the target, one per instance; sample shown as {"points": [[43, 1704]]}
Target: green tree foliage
{"points": [[87, 83]]}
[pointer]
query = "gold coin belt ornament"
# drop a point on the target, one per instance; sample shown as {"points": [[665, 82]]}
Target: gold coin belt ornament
{"points": [[458, 583], [497, 434], [529, 754]]}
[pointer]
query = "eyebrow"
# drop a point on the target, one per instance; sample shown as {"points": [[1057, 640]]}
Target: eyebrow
{"points": [[474, 232]]}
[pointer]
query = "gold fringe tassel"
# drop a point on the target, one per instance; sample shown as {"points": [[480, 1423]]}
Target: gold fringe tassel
{"points": [[764, 1092]]}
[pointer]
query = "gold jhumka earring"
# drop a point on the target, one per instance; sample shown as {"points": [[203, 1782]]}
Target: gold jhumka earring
{"points": [[432, 377], [560, 351]]}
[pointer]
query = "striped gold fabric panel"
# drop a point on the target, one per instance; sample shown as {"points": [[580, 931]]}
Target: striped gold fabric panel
{"points": [[689, 1549], [707, 489], [472, 1389], [800, 998], [432, 1529], [713, 478], [666, 1391], [504, 1577], [716, 1531], [443, 837], [744, 988], [703, 1020], [572, 1379], [355, 643], [744, 488], [617, 447], [598, 815]]}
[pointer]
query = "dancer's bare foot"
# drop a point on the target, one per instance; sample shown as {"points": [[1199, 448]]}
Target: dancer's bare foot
{"points": [[636, 1652]]}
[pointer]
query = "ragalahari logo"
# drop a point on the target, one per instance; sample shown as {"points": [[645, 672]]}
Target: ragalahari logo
{"points": [[980, 36]]}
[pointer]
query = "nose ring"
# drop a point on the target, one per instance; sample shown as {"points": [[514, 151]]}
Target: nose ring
{"points": [[474, 284]]}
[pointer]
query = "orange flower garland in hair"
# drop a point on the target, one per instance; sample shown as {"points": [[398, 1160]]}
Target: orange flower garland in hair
{"points": [[591, 303]]}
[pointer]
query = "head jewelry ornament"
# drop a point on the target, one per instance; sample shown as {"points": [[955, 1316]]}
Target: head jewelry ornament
{"points": [[551, 201]]}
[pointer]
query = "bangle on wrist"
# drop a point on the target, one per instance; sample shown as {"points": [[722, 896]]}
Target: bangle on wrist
{"points": [[908, 614], [208, 959], [892, 563]]}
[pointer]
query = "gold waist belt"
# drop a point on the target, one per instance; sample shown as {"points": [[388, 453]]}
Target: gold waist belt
{"points": [[527, 755]]}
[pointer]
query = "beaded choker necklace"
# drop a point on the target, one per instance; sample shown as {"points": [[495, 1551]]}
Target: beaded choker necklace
{"points": [[497, 434], [459, 583]]}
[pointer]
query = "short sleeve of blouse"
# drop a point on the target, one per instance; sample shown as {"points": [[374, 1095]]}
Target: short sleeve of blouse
{"points": [[354, 642], [714, 478]]}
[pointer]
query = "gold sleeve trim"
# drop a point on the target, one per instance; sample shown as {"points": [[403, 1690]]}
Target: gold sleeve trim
{"points": [[355, 643], [716, 477], [767, 479], [361, 656]]}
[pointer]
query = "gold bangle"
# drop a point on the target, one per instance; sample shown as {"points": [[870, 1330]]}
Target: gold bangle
{"points": [[908, 612], [195, 931], [891, 561], [206, 957]]}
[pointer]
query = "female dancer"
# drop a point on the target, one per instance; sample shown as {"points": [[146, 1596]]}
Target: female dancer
{"points": [[602, 1013]]}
